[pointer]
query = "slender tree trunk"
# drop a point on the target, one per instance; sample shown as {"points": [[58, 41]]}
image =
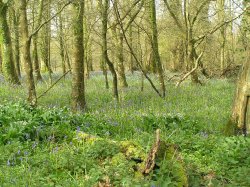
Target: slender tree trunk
{"points": [[221, 16], [78, 89], [38, 76], [104, 8], [154, 41], [26, 59], [119, 53], [104, 71], [120, 64], [8, 65], [46, 37], [16, 42], [61, 42], [87, 45], [131, 58], [67, 58]]}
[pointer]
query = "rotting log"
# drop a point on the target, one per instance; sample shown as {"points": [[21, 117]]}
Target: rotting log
{"points": [[142, 165]]}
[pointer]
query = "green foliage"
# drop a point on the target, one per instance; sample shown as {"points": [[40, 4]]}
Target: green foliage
{"points": [[50, 146]]}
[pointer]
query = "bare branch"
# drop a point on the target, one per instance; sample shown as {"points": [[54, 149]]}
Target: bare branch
{"points": [[47, 21]]}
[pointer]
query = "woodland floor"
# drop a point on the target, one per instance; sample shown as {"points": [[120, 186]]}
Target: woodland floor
{"points": [[43, 146]]}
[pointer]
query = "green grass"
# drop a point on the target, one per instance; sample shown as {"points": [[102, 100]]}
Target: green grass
{"points": [[190, 117]]}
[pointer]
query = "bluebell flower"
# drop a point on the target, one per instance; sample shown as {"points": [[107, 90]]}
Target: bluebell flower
{"points": [[18, 152]]}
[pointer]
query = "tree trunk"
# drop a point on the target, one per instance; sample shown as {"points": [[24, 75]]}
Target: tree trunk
{"points": [[1, 71], [121, 68], [240, 119], [131, 58], [61, 43], [38, 76], [154, 42], [46, 36], [221, 16], [87, 45], [8, 66], [26, 59], [78, 88], [16, 42], [106, 60]]}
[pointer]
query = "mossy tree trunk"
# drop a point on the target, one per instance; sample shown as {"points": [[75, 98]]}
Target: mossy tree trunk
{"points": [[26, 57], [1, 59], [78, 89], [155, 48], [8, 65], [15, 14], [245, 26], [240, 118], [119, 45], [120, 64]]}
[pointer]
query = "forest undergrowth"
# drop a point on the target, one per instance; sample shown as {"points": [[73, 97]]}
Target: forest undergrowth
{"points": [[108, 145]]}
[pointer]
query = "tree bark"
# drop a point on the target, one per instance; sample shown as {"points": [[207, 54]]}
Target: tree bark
{"points": [[154, 42], [221, 16], [240, 118], [61, 43], [8, 65], [78, 88], [26, 59], [16, 42], [46, 37], [38, 76], [106, 60]]}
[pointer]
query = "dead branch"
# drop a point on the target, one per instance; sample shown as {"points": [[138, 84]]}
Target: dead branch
{"points": [[171, 78], [190, 72], [47, 21], [150, 162], [53, 84]]}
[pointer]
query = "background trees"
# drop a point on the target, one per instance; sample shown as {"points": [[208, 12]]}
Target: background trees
{"points": [[198, 38]]}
